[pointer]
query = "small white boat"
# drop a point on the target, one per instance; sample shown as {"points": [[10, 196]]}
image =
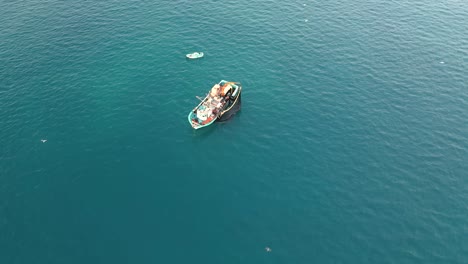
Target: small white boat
{"points": [[195, 55]]}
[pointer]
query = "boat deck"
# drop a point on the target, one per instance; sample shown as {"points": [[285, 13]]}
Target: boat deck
{"points": [[212, 105]]}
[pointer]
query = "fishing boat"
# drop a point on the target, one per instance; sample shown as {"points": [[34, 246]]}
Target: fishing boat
{"points": [[195, 55], [223, 101]]}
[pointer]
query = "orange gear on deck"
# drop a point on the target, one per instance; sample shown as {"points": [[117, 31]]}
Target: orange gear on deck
{"points": [[222, 88]]}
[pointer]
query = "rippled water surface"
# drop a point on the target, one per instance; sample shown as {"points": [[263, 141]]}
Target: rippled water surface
{"points": [[351, 145]]}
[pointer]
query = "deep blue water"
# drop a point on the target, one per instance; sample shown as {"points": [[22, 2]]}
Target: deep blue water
{"points": [[351, 145]]}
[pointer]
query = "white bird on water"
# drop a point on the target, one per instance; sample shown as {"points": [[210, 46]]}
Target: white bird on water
{"points": [[44, 140], [267, 249]]}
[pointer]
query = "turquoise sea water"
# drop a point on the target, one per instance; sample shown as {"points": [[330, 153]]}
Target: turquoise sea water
{"points": [[351, 145]]}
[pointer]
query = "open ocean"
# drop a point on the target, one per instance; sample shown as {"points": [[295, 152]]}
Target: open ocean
{"points": [[351, 145]]}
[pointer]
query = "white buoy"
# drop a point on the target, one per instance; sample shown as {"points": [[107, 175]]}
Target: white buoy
{"points": [[306, 20], [304, 4], [442, 62], [267, 249]]}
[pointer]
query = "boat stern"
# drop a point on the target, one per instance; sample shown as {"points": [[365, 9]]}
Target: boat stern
{"points": [[191, 120]]}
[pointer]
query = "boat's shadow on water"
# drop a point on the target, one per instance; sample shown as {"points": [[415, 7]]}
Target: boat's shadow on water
{"points": [[229, 119]]}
